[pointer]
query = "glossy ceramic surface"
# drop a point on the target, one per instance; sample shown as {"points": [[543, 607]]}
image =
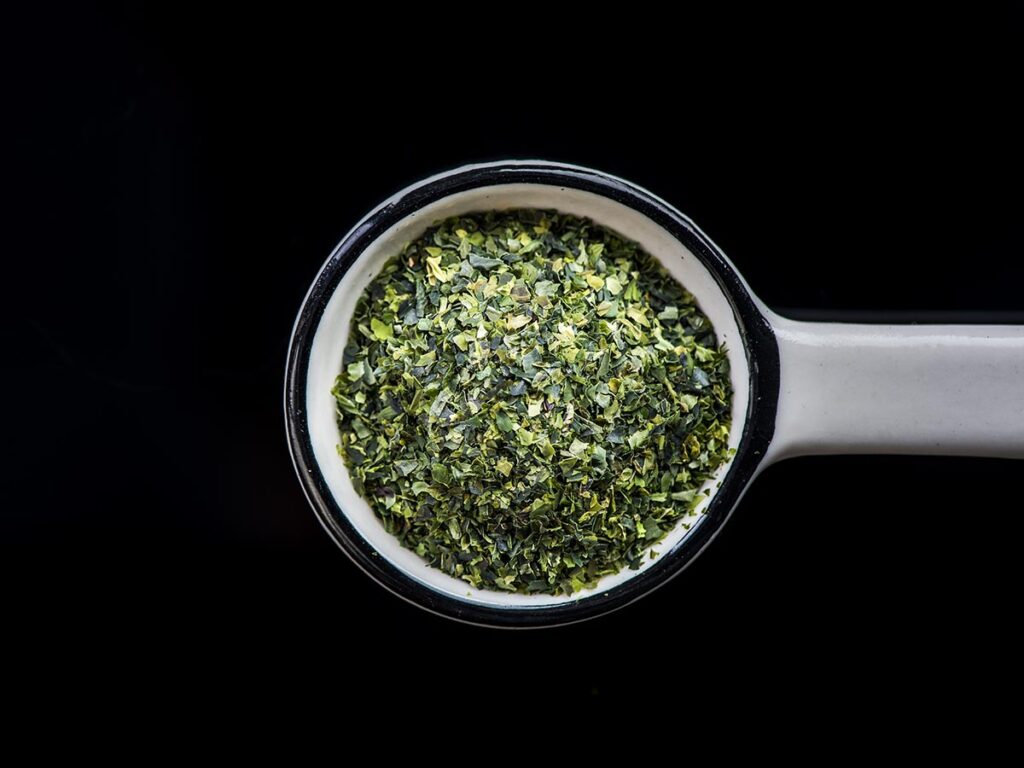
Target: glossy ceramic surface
{"points": [[799, 388]]}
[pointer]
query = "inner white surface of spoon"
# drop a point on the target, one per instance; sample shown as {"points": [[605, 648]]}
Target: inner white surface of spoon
{"points": [[325, 362]]}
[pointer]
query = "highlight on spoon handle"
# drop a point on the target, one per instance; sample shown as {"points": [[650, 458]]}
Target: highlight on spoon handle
{"points": [[954, 390]]}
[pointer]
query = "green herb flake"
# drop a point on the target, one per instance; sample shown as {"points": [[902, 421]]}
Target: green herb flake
{"points": [[381, 331], [517, 321], [529, 401]]}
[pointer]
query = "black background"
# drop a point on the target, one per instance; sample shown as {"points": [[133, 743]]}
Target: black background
{"points": [[180, 177]]}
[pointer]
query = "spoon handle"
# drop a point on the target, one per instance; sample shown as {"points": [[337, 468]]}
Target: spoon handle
{"points": [[953, 390]]}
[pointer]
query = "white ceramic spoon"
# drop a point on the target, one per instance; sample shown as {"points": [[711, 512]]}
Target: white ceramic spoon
{"points": [[799, 388]]}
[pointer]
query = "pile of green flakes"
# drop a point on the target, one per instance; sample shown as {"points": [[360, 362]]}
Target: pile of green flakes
{"points": [[529, 401]]}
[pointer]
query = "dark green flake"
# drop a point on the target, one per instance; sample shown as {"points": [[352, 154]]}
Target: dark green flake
{"points": [[529, 401]]}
